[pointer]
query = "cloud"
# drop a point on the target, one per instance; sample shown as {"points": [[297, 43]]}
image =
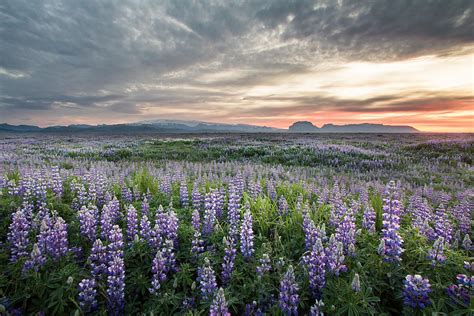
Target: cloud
{"points": [[110, 61]]}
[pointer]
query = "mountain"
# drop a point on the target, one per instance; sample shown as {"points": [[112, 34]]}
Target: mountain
{"points": [[156, 126], [18, 128], [175, 126], [308, 127], [368, 128], [303, 127]]}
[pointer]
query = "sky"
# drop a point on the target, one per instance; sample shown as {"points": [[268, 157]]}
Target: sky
{"points": [[262, 62]]}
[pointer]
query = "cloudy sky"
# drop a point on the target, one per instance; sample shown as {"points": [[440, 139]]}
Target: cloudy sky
{"points": [[261, 62]]}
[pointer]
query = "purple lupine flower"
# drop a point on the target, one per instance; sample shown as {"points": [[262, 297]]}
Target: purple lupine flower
{"points": [[106, 221], [264, 265], [368, 219], [116, 285], [161, 226], [355, 285], [315, 262], [233, 213], [209, 215], [391, 224], [467, 243], [136, 193], [36, 259], [196, 197], [415, 292], [421, 215], [219, 305], [252, 310], [461, 292], [145, 228], [56, 242], [246, 234], [98, 259], [346, 231], [337, 206], [436, 253], [183, 194], [443, 226], [18, 235], [207, 280], [88, 221], [316, 308], [114, 209], [288, 297], [169, 255], [335, 257], [311, 233], [171, 229], [271, 191], [158, 268], [228, 260], [469, 266], [132, 223], [426, 230], [462, 213], [57, 183], [282, 206], [165, 185], [145, 206], [115, 246], [87, 295], [197, 242], [127, 195]]}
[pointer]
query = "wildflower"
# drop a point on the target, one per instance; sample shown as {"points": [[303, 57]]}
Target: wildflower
{"points": [[197, 242], [392, 241], [356, 283], [207, 280], [246, 235], [229, 258], [463, 290], [88, 221], [416, 290], [132, 223], [87, 295], [264, 265], [158, 268], [316, 265], [368, 219], [436, 254], [443, 227], [196, 197], [36, 259], [116, 285], [467, 243], [219, 305], [18, 235], [316, 308], [288, 297], [183, 194], [98, 259], [335, 257]]}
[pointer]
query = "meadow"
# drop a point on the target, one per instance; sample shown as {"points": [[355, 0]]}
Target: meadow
{"points": [[236, 224]]}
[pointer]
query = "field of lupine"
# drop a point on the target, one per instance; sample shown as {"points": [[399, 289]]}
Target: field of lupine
{"points": [[236, 224]]}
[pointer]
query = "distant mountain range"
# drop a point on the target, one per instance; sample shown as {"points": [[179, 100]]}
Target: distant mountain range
{"points": [[308, 127], [176, 126]]}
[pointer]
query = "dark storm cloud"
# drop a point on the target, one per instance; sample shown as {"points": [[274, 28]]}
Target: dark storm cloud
{"points": [[119, 55], [376, 29]]}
